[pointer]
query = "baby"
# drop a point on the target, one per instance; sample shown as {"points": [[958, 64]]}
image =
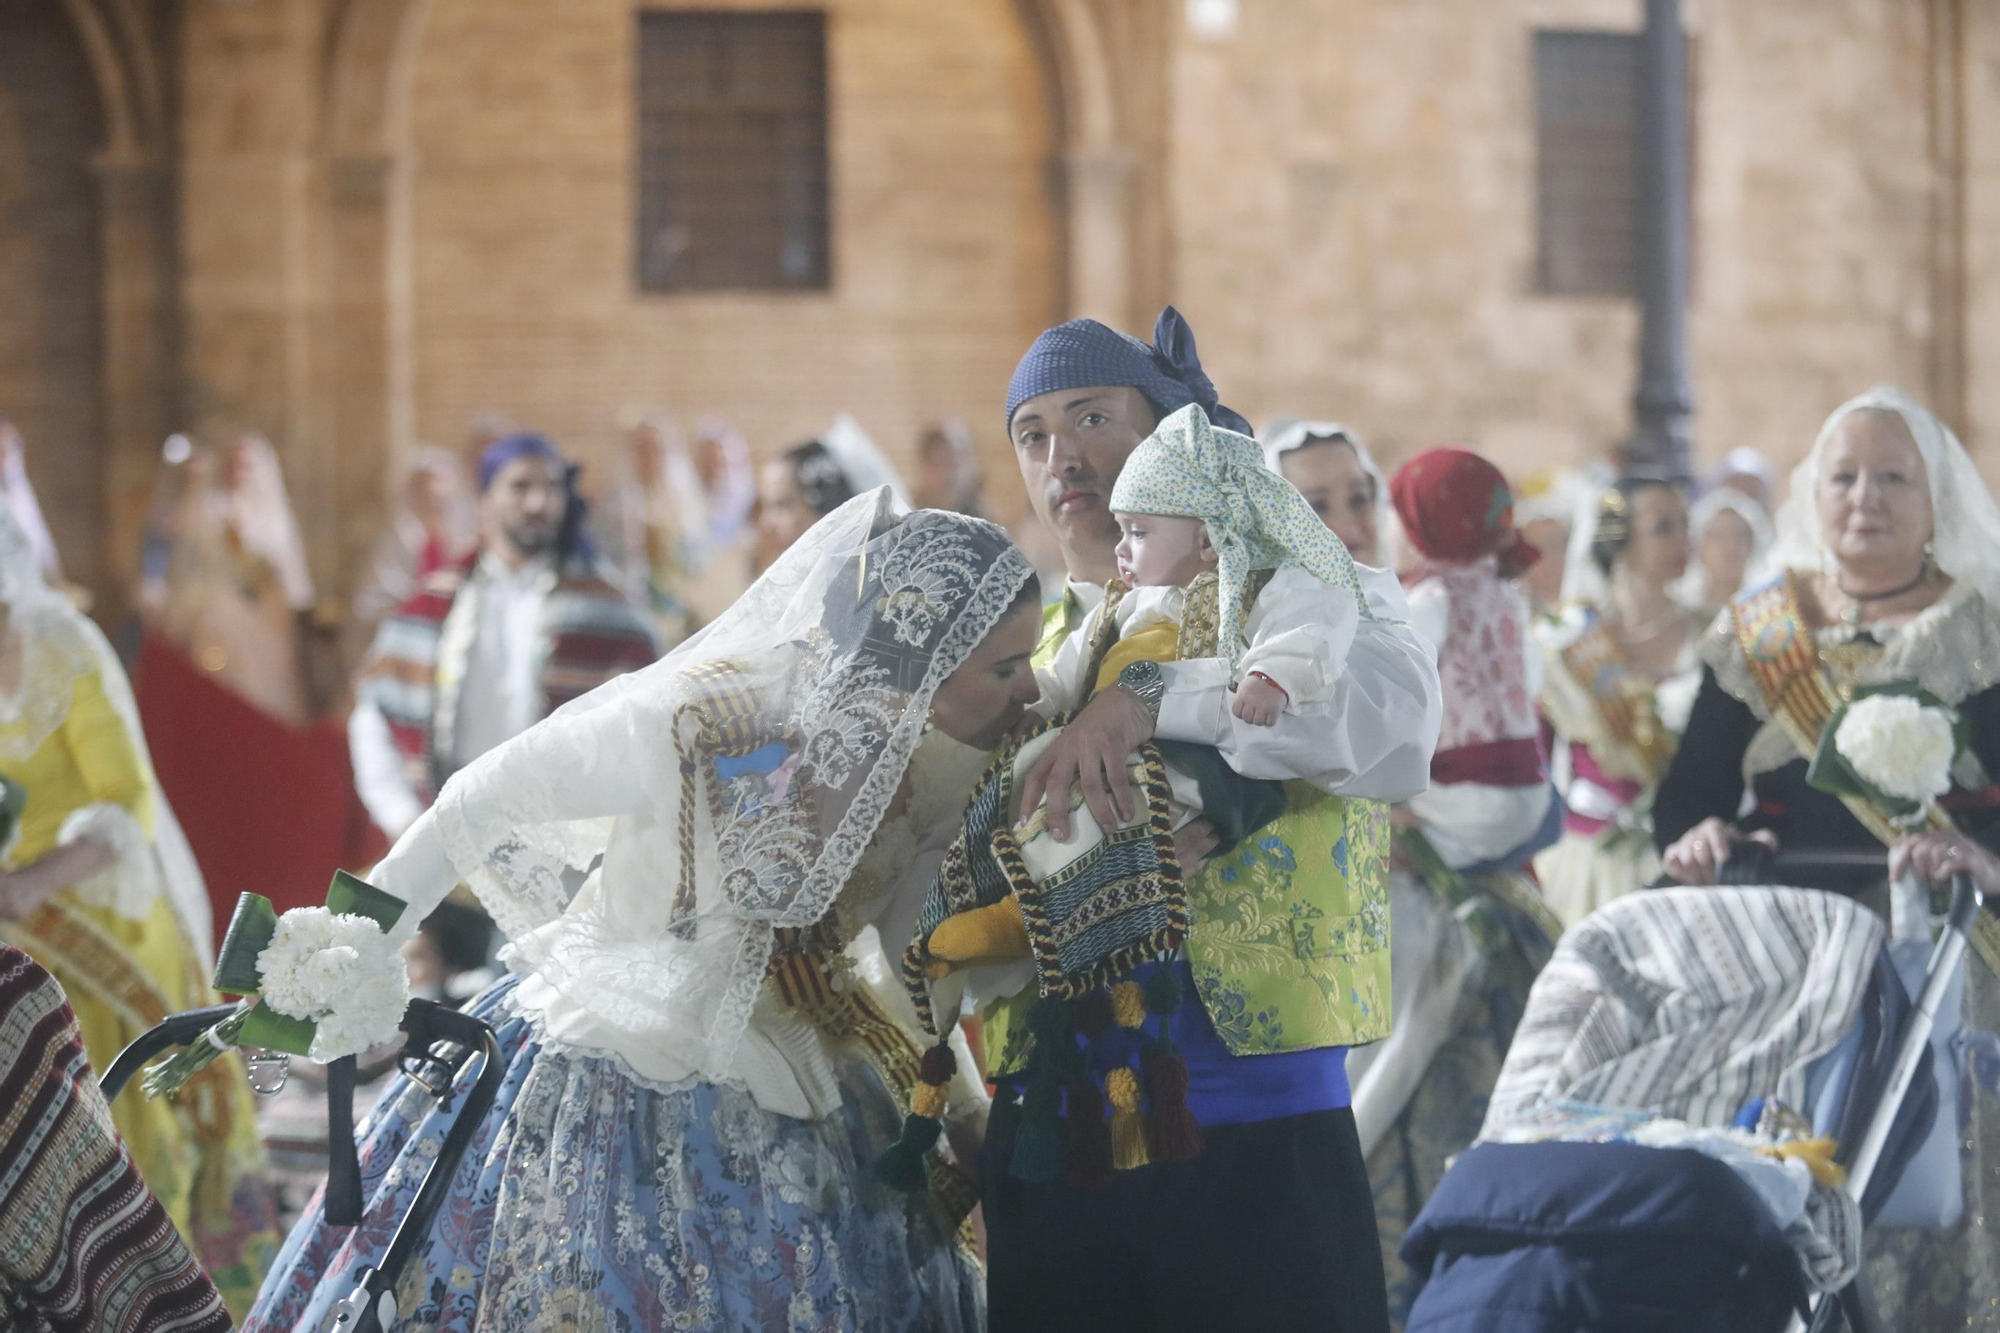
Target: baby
{"points": [[1234, 586]]}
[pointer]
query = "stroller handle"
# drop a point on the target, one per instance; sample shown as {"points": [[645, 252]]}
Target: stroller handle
{"points": [[370, 1304], [176, 1030], [1966, 901], [1753, 863]]}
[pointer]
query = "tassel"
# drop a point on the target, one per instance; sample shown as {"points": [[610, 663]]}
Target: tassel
{"points": [[1163, 990], [929, 1101], [1176, 1136], [1089, 1136], [1038, 1148], [1093, 1014], [1128, 1128], [1128, 1004], [1055, 1055], [904, 1166], [939, 1065]]}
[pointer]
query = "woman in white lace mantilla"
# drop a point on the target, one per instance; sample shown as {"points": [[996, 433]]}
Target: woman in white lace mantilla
{"points": [[688, 862], [1886, 569]]}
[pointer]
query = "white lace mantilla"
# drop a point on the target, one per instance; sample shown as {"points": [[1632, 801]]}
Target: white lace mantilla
{"points": [[644, 845]]}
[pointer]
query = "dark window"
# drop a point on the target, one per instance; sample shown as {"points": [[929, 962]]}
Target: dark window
{"points": [[1586, 162], [732, 151]]}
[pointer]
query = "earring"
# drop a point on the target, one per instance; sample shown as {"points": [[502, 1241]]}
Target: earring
{"points": [[930, 722]]}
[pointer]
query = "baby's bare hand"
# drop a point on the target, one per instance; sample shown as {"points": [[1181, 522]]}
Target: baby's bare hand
{"points": [[1258, 702]]}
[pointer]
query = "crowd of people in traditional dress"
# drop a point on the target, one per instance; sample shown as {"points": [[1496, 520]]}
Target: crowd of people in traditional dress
{"points": [[1501, 702]]}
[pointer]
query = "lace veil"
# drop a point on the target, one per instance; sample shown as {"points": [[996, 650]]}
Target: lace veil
{"points": [[59, 646], [648, 847], [1963, 508]]}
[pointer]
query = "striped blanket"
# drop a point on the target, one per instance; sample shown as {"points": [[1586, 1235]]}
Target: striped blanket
{"points": [[589, 633], [1689, 1003], [84, 1245]]}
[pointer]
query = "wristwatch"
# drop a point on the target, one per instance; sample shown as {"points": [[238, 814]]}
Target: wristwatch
{"points": [[1146, 680]]}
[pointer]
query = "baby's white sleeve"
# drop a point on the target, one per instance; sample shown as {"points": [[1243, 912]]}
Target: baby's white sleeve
{"points": [[1300, 631]]}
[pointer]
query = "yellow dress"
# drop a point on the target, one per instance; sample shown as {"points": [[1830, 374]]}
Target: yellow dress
{"points": [[200, 1154]]}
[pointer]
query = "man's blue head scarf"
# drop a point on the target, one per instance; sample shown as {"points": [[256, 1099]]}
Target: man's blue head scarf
{"points": [[1084, 354], [573, 540], [506, 449]]}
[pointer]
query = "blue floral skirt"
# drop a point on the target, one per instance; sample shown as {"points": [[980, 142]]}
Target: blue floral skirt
{"points": [[591, 1200]]}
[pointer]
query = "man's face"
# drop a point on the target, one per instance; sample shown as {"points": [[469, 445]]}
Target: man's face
{"points": [[524, 506], [1070, 445]]}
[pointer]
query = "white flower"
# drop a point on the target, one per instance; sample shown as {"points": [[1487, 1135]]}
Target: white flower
{"points": [[1898, 746], [340, 972]]}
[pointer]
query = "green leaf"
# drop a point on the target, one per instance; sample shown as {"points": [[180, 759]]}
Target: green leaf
{"points": [[250, 931], [350, 893], [266, 1027]]}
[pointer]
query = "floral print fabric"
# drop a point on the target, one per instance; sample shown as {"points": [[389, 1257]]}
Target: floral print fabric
{"points": [[592, 1201]]}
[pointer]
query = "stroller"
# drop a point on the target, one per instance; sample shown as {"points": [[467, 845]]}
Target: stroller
{"points": [[1669, 1020], [439, 1043]]}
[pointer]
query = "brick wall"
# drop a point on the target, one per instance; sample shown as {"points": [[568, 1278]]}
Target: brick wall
{"points": [[1347, 219], [48, 270], [943, 242], [1354, 222]]}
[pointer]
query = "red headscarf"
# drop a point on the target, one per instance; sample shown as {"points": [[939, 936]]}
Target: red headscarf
{"points": [[1455, 506]]}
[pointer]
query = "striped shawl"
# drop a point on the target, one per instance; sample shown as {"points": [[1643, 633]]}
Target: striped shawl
{"points": [[590, 632], [1688, 1003], [84, 1245]]}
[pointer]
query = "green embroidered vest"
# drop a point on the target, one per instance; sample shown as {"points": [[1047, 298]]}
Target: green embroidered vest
{"points": [[1290, 933]]}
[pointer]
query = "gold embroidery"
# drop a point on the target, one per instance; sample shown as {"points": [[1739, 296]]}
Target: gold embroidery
{"points": [[1802, 686], [1624, 701]]}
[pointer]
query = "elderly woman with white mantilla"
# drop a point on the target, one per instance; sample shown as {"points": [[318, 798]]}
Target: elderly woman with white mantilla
{"points": [[1888, 571]]}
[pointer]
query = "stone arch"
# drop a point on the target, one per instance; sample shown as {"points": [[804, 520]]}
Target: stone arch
{"points": [[1102, 67], [126, 48], [371, 58], [364, 319]]}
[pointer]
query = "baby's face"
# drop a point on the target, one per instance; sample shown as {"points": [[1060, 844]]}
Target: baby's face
{"points": [[1162, 550]]}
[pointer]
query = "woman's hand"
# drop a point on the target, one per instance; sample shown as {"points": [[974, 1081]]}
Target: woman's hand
{"points": [[966, 1134], [1935, 857], [23, 890], [1194, 843], [1697, 857]]}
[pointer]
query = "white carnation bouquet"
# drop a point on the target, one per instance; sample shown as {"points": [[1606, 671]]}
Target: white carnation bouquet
{"points": [[1894, 747], [323, 982]]}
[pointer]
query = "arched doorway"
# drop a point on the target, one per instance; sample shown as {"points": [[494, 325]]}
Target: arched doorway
{"points": [[51, 128]]}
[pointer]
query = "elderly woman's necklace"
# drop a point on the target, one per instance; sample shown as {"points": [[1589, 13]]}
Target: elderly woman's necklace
{"points": [[1857, 603]]}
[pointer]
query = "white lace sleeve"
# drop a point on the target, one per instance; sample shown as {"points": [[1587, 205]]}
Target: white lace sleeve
{"points": [[588, 762]]}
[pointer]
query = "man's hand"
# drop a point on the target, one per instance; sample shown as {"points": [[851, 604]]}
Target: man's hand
{"points": [[1090, 752], [1258, 701]]}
